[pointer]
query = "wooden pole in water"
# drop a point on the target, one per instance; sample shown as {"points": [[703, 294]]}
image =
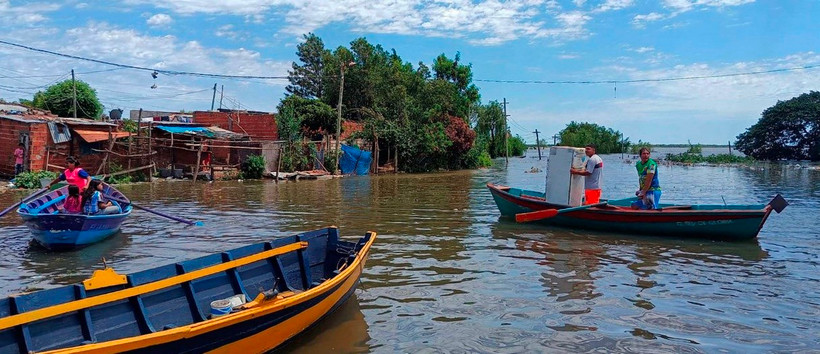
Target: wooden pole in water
{"points": [[278, 162], [198, 159]]}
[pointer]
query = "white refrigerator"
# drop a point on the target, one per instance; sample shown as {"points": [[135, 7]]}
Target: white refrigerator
{"points": [[562, 187]]}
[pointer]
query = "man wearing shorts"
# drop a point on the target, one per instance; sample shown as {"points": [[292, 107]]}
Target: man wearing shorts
{"points": [[649, 189], [592, 173]]}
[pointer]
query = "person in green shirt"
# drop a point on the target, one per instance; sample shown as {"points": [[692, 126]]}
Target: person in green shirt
{"points": [[649, 190]]}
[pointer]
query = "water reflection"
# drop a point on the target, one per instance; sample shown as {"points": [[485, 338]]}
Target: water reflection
{"points": [[345, 331], [446, 273]]}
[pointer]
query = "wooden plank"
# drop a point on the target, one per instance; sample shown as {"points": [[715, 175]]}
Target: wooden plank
{"points": [[56, 310]]}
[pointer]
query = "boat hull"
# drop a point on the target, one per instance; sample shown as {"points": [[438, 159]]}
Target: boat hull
{"points": [[735, 222], [56, 230], [166, 309], [67, 232]]}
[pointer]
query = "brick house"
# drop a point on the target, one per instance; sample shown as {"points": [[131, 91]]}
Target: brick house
{"points": [[257, 125], [48, 139]]}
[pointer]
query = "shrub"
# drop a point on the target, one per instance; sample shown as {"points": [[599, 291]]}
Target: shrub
{"points": [[32, 179], [253, 167]]}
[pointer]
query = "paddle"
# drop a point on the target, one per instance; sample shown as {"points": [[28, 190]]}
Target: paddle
{"points": [[125, 202], [7, 210], [548, 213]]}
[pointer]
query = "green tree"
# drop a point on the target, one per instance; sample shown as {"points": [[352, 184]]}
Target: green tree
{"points": [[58, 99], [788, 130], [488, 121], [635, 149], [306, 79], [606, 140], [420, 112], [313, 116]]}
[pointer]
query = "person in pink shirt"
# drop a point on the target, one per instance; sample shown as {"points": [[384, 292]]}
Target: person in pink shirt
{"points": [[73, 203], [73, 175], [18, 159]]}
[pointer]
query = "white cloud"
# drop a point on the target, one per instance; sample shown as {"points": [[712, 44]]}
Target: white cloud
{"points": [[644, 49], [28, 14], [681, 6], [159, 20], [613, 5], [486, 22], [129, 88], [639, 21], [722, 106]]}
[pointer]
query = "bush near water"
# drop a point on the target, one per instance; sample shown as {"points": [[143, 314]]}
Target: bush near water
{"points": [[31, 179]]}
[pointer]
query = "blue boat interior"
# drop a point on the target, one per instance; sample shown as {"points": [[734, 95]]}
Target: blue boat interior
{"points": [[178, 305], [52, 202]]}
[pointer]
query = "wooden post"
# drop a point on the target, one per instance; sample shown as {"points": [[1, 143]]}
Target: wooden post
{"points": [[278, 162], [48, 153], [130, 141], [150, 149], [198, 160], [397, 158], [105, 159]]}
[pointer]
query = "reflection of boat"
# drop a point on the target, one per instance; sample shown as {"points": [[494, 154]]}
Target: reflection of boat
{"points": [[56, 230], [732, 222], [289, 283], [344, 332]]}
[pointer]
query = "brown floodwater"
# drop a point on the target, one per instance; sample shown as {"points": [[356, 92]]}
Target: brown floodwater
{"points": [[448, 275]]}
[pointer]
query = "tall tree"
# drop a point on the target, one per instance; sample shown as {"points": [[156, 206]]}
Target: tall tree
{"points": [[306, 79], [59, 99], [788, 130], [606, 140]]}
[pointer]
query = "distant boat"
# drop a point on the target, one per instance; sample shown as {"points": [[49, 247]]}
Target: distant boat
{"points": [[725, 222], [247, 300], [60, 231]]}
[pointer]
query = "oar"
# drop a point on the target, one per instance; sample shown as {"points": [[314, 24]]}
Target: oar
{"points": [[7, 210], [548, 213], [125, 202]]}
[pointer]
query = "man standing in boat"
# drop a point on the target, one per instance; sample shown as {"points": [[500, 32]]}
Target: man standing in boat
{"points": [[592, 173], [649, 190], [73, 175]]}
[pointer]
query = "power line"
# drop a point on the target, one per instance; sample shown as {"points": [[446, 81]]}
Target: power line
{"points": [[805, 67], [553, 82], [125, 66]]}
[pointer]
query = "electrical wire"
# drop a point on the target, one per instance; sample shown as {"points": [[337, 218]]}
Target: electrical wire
{"points": [[698, 77], [167, 72]]}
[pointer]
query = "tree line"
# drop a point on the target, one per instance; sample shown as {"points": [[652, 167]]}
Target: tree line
{"points": [[431, 116]]}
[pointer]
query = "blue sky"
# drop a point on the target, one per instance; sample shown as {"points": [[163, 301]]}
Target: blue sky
{"points": [[519, 40]]}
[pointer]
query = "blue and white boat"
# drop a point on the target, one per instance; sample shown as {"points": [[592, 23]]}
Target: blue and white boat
{"points": [[57, 230]]}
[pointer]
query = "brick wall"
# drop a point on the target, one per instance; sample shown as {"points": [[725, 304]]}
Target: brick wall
{"points": [[257, 125], [9, 138]]}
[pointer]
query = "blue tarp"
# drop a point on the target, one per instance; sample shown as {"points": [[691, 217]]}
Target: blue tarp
{"points": [[183, 130], [355, 161]]}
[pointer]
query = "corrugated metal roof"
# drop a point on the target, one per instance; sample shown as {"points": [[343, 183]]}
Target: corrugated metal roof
{"points": [[93, 136], [208, 132], [59, 132]]}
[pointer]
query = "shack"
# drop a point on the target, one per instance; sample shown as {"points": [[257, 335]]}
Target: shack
{"points": [[48, 139], [197, 151]]}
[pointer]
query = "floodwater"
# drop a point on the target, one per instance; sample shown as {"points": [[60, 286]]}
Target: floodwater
{"points": [[447, 275]]}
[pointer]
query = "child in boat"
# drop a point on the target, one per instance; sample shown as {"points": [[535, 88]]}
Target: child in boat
{"points": [[93, 201], [73, 204]]}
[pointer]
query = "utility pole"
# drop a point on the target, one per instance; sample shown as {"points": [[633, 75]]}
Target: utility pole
{"points": [[74, 85], [538, 144], [221, 94], [506, 135], [213, 99], [339, 116]]}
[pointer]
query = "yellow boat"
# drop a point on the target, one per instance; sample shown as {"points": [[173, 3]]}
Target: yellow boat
{"points": [[246, 300]]}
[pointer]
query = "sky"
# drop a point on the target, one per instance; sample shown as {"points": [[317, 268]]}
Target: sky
{"points": [[664, 72]]}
